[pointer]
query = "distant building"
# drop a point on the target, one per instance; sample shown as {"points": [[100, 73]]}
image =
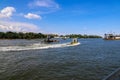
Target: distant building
{"points": [[111, 37]]}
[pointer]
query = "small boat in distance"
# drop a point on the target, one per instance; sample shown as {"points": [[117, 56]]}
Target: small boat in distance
{"points": [[112, 37]]}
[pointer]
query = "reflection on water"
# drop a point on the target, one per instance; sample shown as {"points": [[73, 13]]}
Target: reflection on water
{"points": [[93, 59]]}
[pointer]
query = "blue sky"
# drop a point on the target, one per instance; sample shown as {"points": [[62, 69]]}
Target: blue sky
{"points": [[61, 16]]}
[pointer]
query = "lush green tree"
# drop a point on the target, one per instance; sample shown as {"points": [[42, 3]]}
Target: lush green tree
{"points": [[2, 35]]}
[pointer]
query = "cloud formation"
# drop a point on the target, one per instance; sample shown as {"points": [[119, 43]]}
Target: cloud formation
{"points": [[44, 4], [32, 16], [7, 12], [18, 27]]}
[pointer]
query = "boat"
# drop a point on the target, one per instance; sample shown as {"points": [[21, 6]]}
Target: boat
{"points": [[74, 41], [49, 40], [111, 37]]}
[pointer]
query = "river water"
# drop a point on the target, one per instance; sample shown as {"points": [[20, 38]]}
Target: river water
{"points": [[93, 59]]}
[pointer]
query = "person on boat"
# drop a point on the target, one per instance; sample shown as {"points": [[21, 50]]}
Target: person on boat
{"points": [[74, 41]]}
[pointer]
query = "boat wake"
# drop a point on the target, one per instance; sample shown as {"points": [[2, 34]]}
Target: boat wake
{"points": [[36, 46]]}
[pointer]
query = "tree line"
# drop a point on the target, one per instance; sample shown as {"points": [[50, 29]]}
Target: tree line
{"points": [[82, 36], [31, 35], [21, 35]]}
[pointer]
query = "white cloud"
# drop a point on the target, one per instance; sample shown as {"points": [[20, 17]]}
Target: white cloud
{"points": [[18, 27], [32, 16], [7, 12], [44, 3]]}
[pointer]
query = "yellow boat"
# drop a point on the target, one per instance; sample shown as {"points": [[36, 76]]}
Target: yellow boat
{"points": [[74, 42]]}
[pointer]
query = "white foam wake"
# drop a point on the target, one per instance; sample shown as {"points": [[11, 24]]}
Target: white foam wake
{"points": [[35, 46]]}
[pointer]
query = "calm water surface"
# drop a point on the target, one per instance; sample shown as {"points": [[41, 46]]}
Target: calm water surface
{"points": [[93, 59]]}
